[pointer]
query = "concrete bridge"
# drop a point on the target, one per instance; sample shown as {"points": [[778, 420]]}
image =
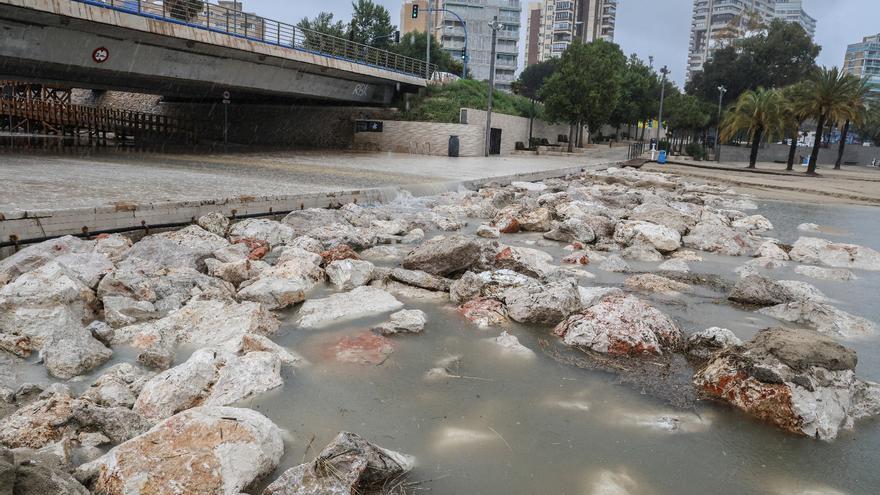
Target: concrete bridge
{"points": [[142, 46]]}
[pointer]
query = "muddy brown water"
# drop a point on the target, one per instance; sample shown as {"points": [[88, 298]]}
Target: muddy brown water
{"points": [[509, 424]]}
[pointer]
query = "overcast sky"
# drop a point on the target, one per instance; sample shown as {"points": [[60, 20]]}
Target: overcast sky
{"points": [[647, 27]]}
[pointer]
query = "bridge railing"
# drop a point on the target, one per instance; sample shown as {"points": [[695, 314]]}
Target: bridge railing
{"points": [[217, 18]]}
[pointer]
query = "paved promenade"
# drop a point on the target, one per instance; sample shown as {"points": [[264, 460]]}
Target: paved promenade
{"points": [[47, 194]]}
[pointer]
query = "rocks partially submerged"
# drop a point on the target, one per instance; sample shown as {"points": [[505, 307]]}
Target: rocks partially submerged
{"points": [[798, 380]]}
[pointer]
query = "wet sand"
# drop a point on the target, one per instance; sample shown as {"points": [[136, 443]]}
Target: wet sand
{"points": [[852, 185]]}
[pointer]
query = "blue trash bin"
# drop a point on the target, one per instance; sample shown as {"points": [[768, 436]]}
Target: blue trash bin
{"points": [[661, 159]]}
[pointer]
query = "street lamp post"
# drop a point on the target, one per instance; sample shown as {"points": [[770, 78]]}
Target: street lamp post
{"points": [[464, 59], [429, 33], [721, 91], [665, 73], [494, 26]]}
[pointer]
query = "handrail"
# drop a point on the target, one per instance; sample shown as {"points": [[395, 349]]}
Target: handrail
{"points": [[223, 20]]}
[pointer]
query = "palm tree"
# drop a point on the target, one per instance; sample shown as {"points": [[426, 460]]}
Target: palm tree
{"points": [[760, 113], [826, 96], [858, 98], [793, 117]]}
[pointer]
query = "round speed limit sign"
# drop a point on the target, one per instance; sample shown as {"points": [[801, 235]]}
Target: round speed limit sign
{"points": [[100, 55]]}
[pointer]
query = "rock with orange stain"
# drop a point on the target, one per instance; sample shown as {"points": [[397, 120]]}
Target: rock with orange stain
{"points": [[577, 258], [217, 450], [528, 261], [484, 312], [257, 248], [621, 324], [340, 252], [362, 348], [797, 380]]}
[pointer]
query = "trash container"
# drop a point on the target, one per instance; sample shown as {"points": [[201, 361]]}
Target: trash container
{"points": [[453, 146], [662, 157]]}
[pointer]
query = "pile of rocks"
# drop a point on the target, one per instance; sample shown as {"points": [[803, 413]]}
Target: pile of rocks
{"points": [[217, 286]]}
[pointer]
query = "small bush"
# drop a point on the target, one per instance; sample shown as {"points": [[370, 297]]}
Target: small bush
{"points": [[443, 102], [695, 150]]}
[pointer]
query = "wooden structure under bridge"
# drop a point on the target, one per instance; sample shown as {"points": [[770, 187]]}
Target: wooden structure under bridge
{"points": [[27, 108]]}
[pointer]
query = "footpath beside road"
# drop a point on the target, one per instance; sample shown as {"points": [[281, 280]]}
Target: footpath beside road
{"points": [[49, 194], [853, 184]]}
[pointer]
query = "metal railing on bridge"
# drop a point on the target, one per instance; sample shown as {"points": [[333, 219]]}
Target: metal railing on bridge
{"points": [[233, 22]]}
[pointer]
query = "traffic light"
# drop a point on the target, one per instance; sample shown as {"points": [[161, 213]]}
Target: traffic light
{"points": [[397, 36], [415, 11]]}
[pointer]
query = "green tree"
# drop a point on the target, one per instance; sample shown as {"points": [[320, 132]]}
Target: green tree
{"points": [[413, 45], [760, 113], [586, 86], [826, 96], [529, 84], [640, 93], [781, 55], [687, 116], [869, 128], [794, 119], [370, 24], [313, 31], [858, 97]]}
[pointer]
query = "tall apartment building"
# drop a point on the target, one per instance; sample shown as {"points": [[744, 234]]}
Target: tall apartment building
{"points": [[554, 24], [863, 60], [715, 22], [409, 25], [476, 15]]}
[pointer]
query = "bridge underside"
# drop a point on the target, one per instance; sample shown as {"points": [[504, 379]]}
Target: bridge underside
{"points": [[45, 47]]}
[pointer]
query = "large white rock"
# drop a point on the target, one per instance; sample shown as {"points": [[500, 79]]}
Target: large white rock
{"points": [[660, 237], [444, 255], [348, 274], [403, 321], [275, 292], [37, 255], [209, 377], [214, 222], [509, 345], [542, 303], [823, 317], [528, 261], [838, 255], [718, 238], [771, 250], [753, 223], [362, 301], [218, 450], [274, 233], [623, 325], [823, 273], [185, 248], [202, 323]]}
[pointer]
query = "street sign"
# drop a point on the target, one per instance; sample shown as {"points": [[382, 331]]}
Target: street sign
{"points": [[100, 55], [226, 97]]}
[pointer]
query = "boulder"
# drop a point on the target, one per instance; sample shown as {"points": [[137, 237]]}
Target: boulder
{"points": [[825, 318], [404, 321], [202, 323], [346, 466], [822, 273], [444, 255], [664, 215], [802, 291], [484, 312], [120, 311], [797, 380], [621, 325], [119, 386], [535, 220], [73, 353], [206, 449], [209, 377], [836, 255], [215, 223], [37, 255], [591, 295], [336, 253], [528, 261], [674, 265], [705, 343], [235, 272], [719, 239], [272, 232], [771, 250], [542, 303], [336, 234], [362, 301], [650, 282], [571, 230], [275, 292], [348, 274], [754, 224], [303, 221], [113, 246], [659, 237], [759, 291], [418, 278], [185, 248], [29, 477]]}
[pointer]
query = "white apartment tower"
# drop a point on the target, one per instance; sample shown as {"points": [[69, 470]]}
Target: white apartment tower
{"points": [[554, 24], [716, 22]]}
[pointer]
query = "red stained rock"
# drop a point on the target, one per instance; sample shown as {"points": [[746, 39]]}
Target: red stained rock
{"points": [[508, 225], [340, 252], [363, 348], [577, 259], [258, 247], [484, 312]]}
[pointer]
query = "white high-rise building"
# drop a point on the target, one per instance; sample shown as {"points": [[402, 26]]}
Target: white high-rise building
{"points": [[716, 22], [554, 24]]}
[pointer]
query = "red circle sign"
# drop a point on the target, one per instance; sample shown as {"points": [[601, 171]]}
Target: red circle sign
{"points": [[100, 55]]}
